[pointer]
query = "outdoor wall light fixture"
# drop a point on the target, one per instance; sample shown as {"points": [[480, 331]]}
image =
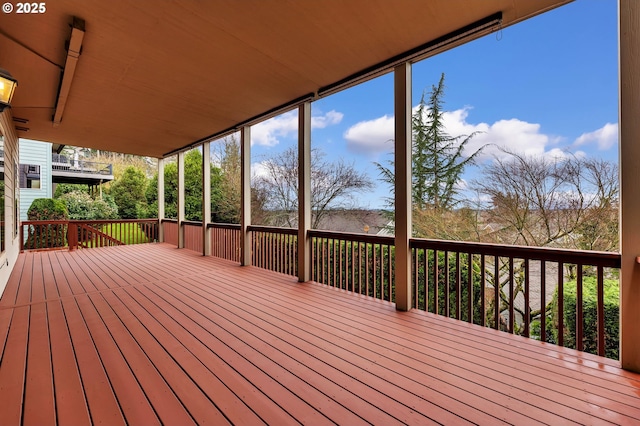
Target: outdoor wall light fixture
{"points": [[7, 87]]}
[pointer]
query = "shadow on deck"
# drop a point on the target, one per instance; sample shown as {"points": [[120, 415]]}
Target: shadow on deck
{"points": [[150, 334]]}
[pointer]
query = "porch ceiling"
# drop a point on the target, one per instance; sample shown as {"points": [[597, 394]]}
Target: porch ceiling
{"points": [[154, 77]]}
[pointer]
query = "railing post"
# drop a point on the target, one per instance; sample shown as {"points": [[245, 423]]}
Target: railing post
{"points": [[160, 200], [245, 191], [206, 198], [72, 235], [629, 14], [304, 191], [181, 200], [402, 107]]}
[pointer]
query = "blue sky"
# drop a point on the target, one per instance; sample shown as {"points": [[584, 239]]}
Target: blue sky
{"points": [[546, 86]]}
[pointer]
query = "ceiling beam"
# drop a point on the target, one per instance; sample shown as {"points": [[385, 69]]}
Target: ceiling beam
{"points": [[73, 53]]}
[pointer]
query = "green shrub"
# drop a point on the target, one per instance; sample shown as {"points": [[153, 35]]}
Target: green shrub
{"points": [[105, 208], [78, 204], [128, 191], [47, 209], [65, 188], [590, 312], [82, 206], [46, 236]]}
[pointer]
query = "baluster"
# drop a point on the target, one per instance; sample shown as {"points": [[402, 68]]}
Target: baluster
{"points": [[601, 330], [436, 293], [526, 298], [390, 272], [560, 304], [375, 272], [496, 293], [447, 301], [425, 254], [579, 311], [458, 286], [416, 299], [470, 288], [483, 285], [511, 290], [543, 300]]}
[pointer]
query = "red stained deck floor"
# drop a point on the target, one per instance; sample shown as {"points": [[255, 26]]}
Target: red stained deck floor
{"points": [[150, 334]]}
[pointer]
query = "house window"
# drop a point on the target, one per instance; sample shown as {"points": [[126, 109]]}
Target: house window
{"points": [[30, 176]]}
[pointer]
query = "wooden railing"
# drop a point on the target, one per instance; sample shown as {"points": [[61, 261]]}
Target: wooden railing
{"points": [[225, 237], [225, 241], [520, 290], [74, 234], [193, 236], [44, 235], [356, 262], [275, 249], [555, 295], [170, 227]]}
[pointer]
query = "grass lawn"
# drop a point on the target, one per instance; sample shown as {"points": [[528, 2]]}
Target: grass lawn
{"points": [[128, 233]]}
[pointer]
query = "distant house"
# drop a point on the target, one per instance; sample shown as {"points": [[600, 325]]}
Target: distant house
{"points": [[34, 173], [42, 167], [354, 221]]}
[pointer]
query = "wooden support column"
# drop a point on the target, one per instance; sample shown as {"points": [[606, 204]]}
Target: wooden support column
{"points": [[181, 200], [629, 50], [402, 158], [206, 198], [304, 191], [245, 193], [160, 199]]}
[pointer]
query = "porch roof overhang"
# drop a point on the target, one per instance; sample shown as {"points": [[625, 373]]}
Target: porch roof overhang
{"points": [[156, 77]]}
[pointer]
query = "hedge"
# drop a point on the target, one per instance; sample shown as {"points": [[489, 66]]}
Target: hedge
{"points": [[590, 312], [49, 235]]}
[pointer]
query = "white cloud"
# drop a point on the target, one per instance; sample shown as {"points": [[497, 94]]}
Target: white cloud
{"points": [[375, 136], [511, 135], [605, 137], [371, 137], [330, 118], [259, 170], [267, 133]]}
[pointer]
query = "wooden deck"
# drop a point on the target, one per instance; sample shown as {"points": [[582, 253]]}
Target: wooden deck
{"points": [[151, 334]]}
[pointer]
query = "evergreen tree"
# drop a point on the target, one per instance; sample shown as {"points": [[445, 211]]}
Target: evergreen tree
{"points": [[437, 158], [193, 189], [129, 193]]}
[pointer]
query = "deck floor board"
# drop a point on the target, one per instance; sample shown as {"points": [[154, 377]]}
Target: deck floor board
{"points": [[71, 404], [39, 404], [286, 361], [309, 339], [11, 290], [373, 352], [13, 367], [150, 334], [452, 357], [101, 399], [174, 334], [448, 348]]}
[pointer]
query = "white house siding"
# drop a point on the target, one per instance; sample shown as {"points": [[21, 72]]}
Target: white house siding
{"points": [[39, 153], [12, 243]]}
